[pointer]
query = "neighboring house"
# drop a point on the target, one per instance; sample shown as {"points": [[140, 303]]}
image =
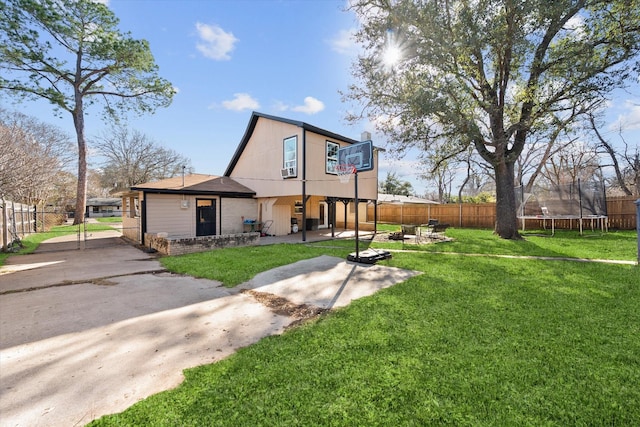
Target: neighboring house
{"points": [[291, 166], [189, 206], [282, 173], [99, 207]]}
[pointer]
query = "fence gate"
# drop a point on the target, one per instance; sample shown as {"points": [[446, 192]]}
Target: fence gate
{"points": [[18, 221], [81, 238]]}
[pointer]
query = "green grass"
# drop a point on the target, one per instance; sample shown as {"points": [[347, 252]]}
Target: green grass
{"points": [[473, 341], [233, 266], [614, 245], [109, 219]]}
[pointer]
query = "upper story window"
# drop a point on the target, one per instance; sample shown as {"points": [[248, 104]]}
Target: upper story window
{"points": [[332, 157], [290, 156]]}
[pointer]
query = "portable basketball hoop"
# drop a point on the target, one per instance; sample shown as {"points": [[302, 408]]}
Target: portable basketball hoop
{"points": [[345, 171]]}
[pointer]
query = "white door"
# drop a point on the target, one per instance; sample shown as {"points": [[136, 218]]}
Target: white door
{"points": [[323, 214]]}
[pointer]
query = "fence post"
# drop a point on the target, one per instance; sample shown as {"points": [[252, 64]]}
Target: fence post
{"points": [[5, 229], [638, 227]]}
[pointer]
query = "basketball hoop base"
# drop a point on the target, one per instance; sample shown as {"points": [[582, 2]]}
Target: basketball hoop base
{"points": [[370, 256]]}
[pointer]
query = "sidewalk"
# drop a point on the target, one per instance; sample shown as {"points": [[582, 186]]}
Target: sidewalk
{"points": [[106, 328]]}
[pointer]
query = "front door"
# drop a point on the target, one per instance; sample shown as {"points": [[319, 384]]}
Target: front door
{"points": [[205, 217]]}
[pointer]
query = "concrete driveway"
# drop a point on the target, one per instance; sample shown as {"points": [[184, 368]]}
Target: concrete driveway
{"points": [[84, 333]]}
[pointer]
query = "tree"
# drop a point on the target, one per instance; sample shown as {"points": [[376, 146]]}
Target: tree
{"points": [[393, 185], [448, 74], [132, 158], [71, 53], [627, 174], [32, 154]]}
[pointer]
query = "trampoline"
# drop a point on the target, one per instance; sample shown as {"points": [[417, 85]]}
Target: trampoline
{"points": [[580, 202]]}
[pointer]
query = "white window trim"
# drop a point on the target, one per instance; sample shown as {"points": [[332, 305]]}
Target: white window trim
{"points": [[291, 164], [331, 161]]}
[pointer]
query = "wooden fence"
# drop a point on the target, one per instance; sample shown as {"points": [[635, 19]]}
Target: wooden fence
{"points": [[621, 212]]}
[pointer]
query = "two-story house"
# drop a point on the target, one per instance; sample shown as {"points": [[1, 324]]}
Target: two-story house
{"points": [[291, 165], [282, 178]]}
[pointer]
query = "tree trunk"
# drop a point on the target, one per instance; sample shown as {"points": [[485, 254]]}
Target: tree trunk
{"points": [[506, 217], [81, 191]]}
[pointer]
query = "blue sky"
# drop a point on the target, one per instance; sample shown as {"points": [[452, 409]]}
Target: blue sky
{"points": [[288, 58]]}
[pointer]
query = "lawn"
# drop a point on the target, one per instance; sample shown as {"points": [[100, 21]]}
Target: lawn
{"points": [[108, 219], [614, 245], [477, 341]]}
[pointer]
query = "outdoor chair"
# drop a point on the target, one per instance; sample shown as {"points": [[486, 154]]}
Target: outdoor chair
{"points": [[429, 226], [409, 229], [437, 229]]}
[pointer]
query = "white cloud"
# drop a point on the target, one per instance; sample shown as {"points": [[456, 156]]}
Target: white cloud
{"points": [[575, 24], [344, 42], [629, 120], [311, 106], [215, 43], [241, 102]]}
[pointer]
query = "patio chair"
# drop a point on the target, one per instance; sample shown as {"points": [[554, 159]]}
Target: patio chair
{"points": [[437, 229], [430, 225]]}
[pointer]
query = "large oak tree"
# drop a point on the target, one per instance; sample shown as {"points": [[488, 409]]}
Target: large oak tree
{"points": [[444, 75], [71, 53]]}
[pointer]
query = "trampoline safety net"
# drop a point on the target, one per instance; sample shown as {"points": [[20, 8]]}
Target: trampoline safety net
{"points": [[575, 200]]}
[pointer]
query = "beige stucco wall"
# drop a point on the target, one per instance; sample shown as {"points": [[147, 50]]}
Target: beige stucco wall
{"points": [[166, 214], [233, 210], [261, 161]]}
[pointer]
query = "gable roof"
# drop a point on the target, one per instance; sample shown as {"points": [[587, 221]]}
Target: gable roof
{"points": [[197, 184], [252, 125]]}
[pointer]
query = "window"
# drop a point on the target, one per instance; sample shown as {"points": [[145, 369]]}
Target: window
{"points": [[290, 151], [298, 207], [332, 157]]}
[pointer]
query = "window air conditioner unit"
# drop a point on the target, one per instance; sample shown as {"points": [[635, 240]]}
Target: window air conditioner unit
{"points": [[288, 172]]}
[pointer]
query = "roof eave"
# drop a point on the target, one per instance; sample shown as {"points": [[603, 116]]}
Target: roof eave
{"points": [[236, 194]]}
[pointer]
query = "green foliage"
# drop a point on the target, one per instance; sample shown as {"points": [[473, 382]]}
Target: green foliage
{"points": [[483, 74], [483, 197], [77, 45], [393, 185], [71, 53], [472, 341]]}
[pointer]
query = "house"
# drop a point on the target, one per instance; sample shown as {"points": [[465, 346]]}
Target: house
{"points": [[187, 206], [291, 165], [281, 179], [99, 207]]}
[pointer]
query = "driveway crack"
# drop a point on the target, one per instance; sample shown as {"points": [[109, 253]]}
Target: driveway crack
{"points": [[99, 281]]}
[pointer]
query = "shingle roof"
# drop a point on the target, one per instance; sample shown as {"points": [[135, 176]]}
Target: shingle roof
{"points": [[104, 201], [197, 184]]}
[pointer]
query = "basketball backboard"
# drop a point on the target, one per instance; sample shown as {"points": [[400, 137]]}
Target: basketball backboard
{"points": [[360, 155]]}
